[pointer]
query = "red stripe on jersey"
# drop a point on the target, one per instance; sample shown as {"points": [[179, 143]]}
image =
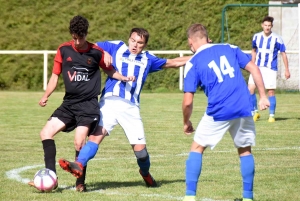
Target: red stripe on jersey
{"points": [[57, 67]]}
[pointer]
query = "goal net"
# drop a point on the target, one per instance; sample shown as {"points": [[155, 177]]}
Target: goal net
{"points": [[286, 24]]}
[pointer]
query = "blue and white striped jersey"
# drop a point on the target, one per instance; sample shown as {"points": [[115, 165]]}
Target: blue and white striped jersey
{"points": [[129, 64], [216, 69], [267, 48]]}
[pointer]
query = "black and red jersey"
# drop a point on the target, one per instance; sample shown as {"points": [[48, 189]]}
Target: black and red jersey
{"points": [[80, 71]]}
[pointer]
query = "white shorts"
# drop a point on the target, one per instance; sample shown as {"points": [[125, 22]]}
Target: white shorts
{"points": [[269, 77], [209, 132], [115, 110]]}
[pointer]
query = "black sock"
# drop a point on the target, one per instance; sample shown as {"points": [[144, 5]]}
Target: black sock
{"points": [[80, 180], [49, 154]]}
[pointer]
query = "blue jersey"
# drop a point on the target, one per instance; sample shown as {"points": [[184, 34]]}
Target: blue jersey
{"points": [[216, 69], [129, 64], [267, 48]]}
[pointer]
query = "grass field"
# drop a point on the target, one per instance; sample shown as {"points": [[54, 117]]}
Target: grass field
{"points": [[113, 174]]}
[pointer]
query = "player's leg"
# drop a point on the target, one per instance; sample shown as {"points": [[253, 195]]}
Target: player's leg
{"points": [[131, 122], [87, 118], [252, 87], [80, 182], [143, 161], [247, 168], [193, 170], [270, 82], [208, 133], [272, 99], [97, 134], [79, 142], [52, 127], [86, 153], [243, 135]]}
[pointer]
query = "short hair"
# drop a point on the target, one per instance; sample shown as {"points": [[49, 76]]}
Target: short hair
{"points": [[79, 26], [268, 19], [143, 33], [197, 30]]}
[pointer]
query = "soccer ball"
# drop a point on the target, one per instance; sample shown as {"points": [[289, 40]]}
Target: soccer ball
{"points": [[45, 180]]}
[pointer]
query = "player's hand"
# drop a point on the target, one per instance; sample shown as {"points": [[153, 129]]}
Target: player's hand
{"points": [[43, 101], [264, 103], [188, 128], [287, 74], [128, 79], [107, 59]]}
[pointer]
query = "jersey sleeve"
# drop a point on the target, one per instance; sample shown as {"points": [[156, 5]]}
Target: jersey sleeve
{"points": [[243, 59], [190, 78], [102, 64], [108, 46], [57, 67], [156, 63], [254, 41], [280, 45]]}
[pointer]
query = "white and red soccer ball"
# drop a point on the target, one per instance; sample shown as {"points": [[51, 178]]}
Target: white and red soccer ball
{"points": [[45, 180]]}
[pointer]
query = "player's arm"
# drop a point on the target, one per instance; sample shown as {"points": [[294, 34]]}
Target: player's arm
{"points": [[56, 71], [107, 59], [187, 109], [253, 54], [116, 75], [176, 62], [50, 88], [110, 71], [286, 65], [257, 77]]}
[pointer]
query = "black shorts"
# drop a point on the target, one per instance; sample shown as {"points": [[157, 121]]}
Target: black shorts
{"points": [[84, 113]]}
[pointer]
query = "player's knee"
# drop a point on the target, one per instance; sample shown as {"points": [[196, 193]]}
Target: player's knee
{"points": [[251, 89], [142, 155], [78, 144], [46, 134]]}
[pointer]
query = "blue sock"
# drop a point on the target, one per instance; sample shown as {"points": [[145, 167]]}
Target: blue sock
{"points": [[144, 165], [87, 152], [192, 172], [272, 100], [254, 101], [247, 171]]}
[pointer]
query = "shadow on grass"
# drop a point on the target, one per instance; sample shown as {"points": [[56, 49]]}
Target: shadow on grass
{"points": [[281, 119], [114, 184]]}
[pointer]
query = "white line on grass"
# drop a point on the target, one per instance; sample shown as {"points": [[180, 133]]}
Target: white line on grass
{"points": [[253, 149], [14, 174]]}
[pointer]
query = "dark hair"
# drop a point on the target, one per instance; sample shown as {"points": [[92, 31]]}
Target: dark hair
{"points": [[79, 26], [268, 19], [198, 29], [143, 33]]}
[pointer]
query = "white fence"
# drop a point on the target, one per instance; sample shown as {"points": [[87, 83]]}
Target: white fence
{"points": [[47, 52], [181, 53]]}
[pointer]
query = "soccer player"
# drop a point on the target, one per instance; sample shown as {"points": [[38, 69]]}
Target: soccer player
{"points": [[216, 69], [265, 48], [119, 102], [78, 61]]}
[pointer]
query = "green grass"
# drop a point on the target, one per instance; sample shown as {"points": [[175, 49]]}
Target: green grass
{"points": [[113, 174]]}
